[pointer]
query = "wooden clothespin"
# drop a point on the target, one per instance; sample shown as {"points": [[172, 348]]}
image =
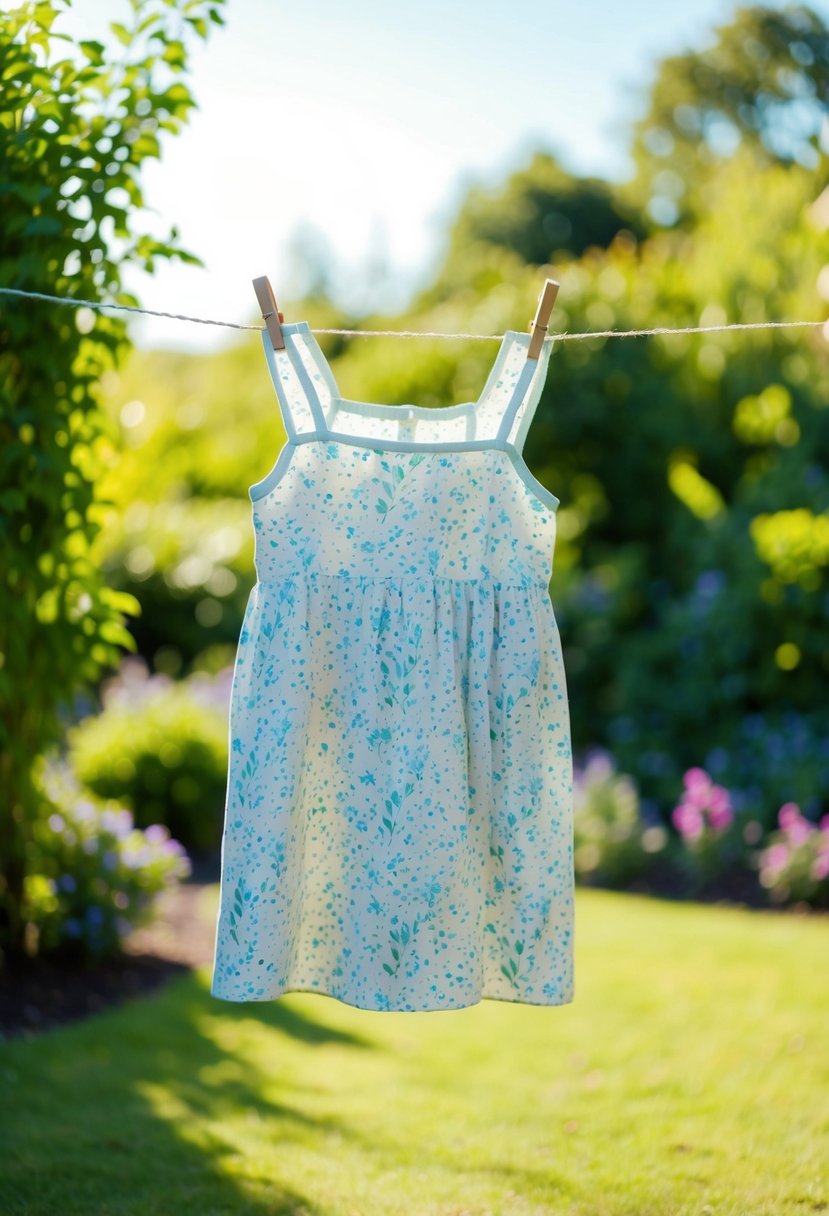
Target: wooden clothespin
{"points": [[270, 313], [538, 326]]}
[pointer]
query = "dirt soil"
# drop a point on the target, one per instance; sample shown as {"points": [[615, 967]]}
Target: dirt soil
{"points": [[46, 993]]}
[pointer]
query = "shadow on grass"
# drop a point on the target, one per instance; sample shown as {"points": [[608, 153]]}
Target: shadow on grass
{"points": [[137, 1110]]}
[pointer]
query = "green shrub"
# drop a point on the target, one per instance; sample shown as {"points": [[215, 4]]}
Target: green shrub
{"points": [[93, 876], [160, 748], [711, 838], [613, 844], [190, 565], [72, 204], [794, 865]]}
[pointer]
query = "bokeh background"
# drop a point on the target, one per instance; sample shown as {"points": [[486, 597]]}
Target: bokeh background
{"points": [[426, 169], [671, 172]]}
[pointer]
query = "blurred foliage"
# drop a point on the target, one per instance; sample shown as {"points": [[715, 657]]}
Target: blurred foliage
{"points": [[160, 748], [761, 87], [539, 214], [690, 570], [75, 133], [612, 843], [677, 624], [794, 865], [190, 563], [194, 433]]}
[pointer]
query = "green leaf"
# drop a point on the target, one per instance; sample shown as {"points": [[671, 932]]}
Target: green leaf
{"points": [[199, 25], [114, 632], [121, 601], [19, 68], [43, 225], [12, 500], [93, 50], [174, 54]]}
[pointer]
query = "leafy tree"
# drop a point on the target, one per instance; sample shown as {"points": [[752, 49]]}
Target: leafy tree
{"points": [[541, 213], [74, 134], [693, 553], [763, 86]]}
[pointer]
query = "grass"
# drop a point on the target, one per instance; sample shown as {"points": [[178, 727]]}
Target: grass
{"points": [[690, 1075]]}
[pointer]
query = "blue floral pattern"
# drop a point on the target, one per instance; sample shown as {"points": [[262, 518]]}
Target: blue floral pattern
{"points": [[399, 818]]}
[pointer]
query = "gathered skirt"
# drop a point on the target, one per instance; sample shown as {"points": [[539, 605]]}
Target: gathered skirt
{"points": [[398, 825]]}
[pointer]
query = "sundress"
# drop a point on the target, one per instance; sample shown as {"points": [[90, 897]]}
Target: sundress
{"points": [[398, 829]]}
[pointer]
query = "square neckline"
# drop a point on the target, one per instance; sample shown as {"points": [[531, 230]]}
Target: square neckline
{"points": [[321, 431], [407, 410]]}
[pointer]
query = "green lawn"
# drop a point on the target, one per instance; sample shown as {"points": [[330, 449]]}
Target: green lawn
{"points": [[690, 1075]]}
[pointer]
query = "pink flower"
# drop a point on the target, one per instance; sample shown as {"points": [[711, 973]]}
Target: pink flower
{"points": [[775, 858], [688, 820], [697, 778], [704, 804], [697, 787], [793, 824], [820, 867], [720, 813], [788, 814]]}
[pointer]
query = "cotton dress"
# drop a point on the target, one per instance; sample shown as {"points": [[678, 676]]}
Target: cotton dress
{"points": [[398, 826]]}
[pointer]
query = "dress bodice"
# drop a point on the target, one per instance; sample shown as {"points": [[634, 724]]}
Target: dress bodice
{"points": [[380, 491]]}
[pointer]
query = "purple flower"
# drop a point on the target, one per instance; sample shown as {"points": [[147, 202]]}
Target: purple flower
{"points": [[117, 821], [84, 809]]}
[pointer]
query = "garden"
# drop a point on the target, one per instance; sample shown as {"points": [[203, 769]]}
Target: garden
{"points": [[689, 585]]}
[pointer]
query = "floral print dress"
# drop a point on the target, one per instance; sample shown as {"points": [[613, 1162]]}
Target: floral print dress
{"points": [[399, 817]]}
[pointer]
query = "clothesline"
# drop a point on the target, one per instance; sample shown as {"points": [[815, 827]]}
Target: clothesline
{"points": [[410, 333]]}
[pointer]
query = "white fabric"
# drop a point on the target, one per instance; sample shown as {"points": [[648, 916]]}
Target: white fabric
{"points": [[399, 823]]}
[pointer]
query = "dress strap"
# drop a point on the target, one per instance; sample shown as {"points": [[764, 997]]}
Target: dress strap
{"points": [[299, 401], [517, 416]]}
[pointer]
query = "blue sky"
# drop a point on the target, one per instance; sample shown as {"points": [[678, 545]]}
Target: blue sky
{"points": [[362, 123]]}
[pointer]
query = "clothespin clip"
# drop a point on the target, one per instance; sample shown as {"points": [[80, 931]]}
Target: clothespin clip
{"points": [[270, 313], [538, 326]]}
